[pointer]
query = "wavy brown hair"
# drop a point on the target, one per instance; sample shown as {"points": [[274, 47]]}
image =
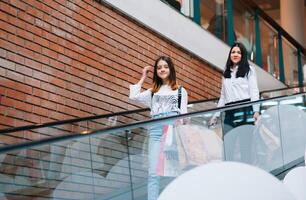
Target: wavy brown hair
{"points": [[158, 82]]}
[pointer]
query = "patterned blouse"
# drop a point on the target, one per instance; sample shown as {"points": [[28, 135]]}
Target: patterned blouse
{"points": [[163, 101]]}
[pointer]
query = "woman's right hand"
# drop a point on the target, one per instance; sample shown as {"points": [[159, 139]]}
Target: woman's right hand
{"points": [[213, 122], [145, 71]]}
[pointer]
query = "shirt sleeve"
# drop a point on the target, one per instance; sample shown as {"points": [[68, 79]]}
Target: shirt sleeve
{"points": [[184, 101], [221, 101], [253, 87], [140, 97]]}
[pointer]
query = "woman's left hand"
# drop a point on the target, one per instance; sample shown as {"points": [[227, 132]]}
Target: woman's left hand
{"points": [[256, 116]]}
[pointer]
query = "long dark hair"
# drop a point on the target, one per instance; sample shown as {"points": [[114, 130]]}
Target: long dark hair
{"points": [[243, 65], [158, 82]]}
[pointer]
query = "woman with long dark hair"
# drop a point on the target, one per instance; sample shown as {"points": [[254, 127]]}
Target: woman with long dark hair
{"points": [[239, 84], [165, 98]]}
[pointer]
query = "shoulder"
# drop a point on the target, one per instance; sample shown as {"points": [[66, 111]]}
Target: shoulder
{"points": [[252, 71]]}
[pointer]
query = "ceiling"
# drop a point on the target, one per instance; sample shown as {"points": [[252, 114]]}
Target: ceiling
{"points": [[270, 4]]}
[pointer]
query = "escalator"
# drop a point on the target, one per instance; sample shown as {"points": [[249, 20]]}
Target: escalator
{"points": [[105, 157]]}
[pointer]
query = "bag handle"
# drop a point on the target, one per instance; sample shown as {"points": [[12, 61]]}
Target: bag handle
{"points": [[179, 97]]}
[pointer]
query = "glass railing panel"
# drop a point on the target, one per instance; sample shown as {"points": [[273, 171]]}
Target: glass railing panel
{"points": [[244, 27], [120, 119], [73, 128], [74, 169], [290, 63], [193, 143], [200, 106], [269, 47], [282, 92], [213, 18], [105, 166], [266, 142], [292, 117], [114, 162], [247, 142]]}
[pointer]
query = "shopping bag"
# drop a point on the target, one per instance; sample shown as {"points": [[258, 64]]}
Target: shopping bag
{"points": [[197, 145], [168, 164], [271, 141]]}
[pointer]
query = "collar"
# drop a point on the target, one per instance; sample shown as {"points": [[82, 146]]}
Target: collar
{"points": [[234, 69]]}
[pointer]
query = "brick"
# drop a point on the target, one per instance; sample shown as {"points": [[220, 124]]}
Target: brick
{"points": [[40, 93], [23, 106], [7, 8], [40, 76], [41, 111], [11, 112], [48, 104], [19, 123], [15, 76], [57, 116], [48, 87], [55, 47], [16, 40], [19, 4], [8, 27], [25, 34], [41, 58], [32, 118], [17, 22], [64, 59], [3, 16], [15, 94], [7, 121], [24, 70], [41, 41], [26, 17], [58, 82], [16, 58], [86, 62], [34, 12], [3, 34], [49, 36], [40, 24], [33, 64], [31, 81], [34, 47], [7, 64], [33, 100], [49, 53]]}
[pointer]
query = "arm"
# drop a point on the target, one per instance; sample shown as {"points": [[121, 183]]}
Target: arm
{"points": [[254, 92], [184, 101], [135, 90], [221, 103]]}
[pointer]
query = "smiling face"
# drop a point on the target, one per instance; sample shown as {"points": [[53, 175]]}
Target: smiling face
{"points": [[236, 55], [163, 71]]}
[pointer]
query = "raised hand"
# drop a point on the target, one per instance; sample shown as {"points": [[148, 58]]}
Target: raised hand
{"points": [[145, 71]]}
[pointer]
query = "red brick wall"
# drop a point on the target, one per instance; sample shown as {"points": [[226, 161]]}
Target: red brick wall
{"points": [[65, 59]]}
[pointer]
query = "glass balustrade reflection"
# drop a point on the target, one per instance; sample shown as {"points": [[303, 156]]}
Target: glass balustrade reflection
{"points": [[269, 46], [244, 27], [282, 92], [213, 18], [293, 127], [113, 162], [290, 63]]}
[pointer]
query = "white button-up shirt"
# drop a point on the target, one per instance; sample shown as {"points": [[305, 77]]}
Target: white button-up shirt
{"points": [[237, 89]]}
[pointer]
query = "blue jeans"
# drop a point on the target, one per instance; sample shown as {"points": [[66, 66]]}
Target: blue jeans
{"points": [[155, 138]]}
